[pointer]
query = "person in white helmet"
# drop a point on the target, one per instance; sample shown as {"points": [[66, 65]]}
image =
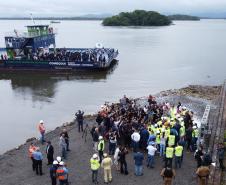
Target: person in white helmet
{"points": [[62, 174], [94, 165], [42, 130], [100, 147], [53, 172]]}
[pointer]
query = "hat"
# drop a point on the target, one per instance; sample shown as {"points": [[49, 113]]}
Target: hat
{"points": [[37, 148], [100, 137], [151, 143], [156, 125], [41, 121], [105, 155], [95, 156], [55, 162], [61, 163], [58, 159]]}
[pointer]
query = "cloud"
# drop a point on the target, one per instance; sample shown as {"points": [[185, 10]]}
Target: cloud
{"points": [[79, 7]]}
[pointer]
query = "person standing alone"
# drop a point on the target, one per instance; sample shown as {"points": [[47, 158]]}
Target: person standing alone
{"points": [[79, 117], [42, 130]]}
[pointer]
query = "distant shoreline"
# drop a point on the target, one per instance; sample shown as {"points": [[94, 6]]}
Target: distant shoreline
{"points": [[52, 18]]}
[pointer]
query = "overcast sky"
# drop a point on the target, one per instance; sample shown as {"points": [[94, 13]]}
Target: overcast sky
{"points": [[80, 7]]}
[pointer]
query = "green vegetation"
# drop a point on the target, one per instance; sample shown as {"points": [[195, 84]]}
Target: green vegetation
{"points": [[183, 17], [137, 18]]}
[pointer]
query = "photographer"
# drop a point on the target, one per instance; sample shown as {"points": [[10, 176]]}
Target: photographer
{"points": [[79, 118]]}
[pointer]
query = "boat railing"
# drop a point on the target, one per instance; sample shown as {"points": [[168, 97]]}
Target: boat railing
{"points": [[25, 34]]}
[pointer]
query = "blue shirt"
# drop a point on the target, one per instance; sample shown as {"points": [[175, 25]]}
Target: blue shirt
{"points": [[138, 158], [37, 155]]}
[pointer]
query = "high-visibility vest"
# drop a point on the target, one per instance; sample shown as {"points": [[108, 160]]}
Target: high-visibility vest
{"points": [[167, 132], [178, 151], [31, 150], [61, 174], [182, 131], [158, 139], [171, 140], [149, 128], [195, 133], [169, 152], [99, 145], [95, 165]]}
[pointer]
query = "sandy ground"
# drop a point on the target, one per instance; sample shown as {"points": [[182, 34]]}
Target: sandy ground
{"points": [[16, 169]]}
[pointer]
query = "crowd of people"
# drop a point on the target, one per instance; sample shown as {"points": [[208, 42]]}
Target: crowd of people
{"points": [[158, 129], [80, 55]]}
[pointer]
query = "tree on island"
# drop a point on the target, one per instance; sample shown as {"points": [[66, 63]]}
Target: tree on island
{"points": [[179, 17], [137, 18]]}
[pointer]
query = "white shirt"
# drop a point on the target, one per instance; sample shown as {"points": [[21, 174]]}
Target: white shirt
{"points": [[135, 137], [151, 150]]}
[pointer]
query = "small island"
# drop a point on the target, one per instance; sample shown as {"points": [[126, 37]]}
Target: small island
{"points": [[137, 18], [179, 17]]}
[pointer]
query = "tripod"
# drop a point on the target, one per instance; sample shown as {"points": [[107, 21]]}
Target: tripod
{"points": [[84, 134]]}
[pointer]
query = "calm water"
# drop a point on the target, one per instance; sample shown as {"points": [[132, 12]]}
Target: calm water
{"points": [[151, 59]]}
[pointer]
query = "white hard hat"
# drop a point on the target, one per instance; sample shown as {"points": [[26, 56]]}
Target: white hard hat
{"points": [[95, 156], [194, 127], [41, 121], [61, 163], [158, 132], [156, 125], [58, 158], [55, 162], [100, 137], [105, 154]]}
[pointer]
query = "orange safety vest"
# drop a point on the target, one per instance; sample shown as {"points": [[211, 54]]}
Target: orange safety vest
{"points": [[61, 175], [31, 150], [41, 128]]}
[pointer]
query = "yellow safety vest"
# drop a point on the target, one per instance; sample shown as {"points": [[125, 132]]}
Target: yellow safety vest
{"points": [[95, 165], [167, 132], [195, 133], [182, 131], [171, 140], [178, 151], [158, 139], [149, 129], [169, 152], [99, 147]]}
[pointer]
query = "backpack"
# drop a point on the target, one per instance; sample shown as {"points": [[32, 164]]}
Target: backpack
{"points": [[168, 173]]}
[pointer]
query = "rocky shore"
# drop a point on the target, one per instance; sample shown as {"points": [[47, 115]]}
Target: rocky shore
{"points": [[16, 166]]}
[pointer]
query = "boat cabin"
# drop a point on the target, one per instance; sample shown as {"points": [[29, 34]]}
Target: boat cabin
{"points": [[25, 43]]}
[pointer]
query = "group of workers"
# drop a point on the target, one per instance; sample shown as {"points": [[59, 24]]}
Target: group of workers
{"points": [[156, 129]]}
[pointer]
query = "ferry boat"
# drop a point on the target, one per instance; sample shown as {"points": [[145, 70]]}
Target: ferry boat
{"points": [[35, 50]]}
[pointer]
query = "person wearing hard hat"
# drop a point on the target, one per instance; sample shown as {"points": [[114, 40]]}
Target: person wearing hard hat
{"points": [[37, 155], [42, 130], [52, 172], [31, 150], [100, 147], [106, 165], [169, 156], [62, 174], [58, 159], [95, 165], [178, 155]]}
